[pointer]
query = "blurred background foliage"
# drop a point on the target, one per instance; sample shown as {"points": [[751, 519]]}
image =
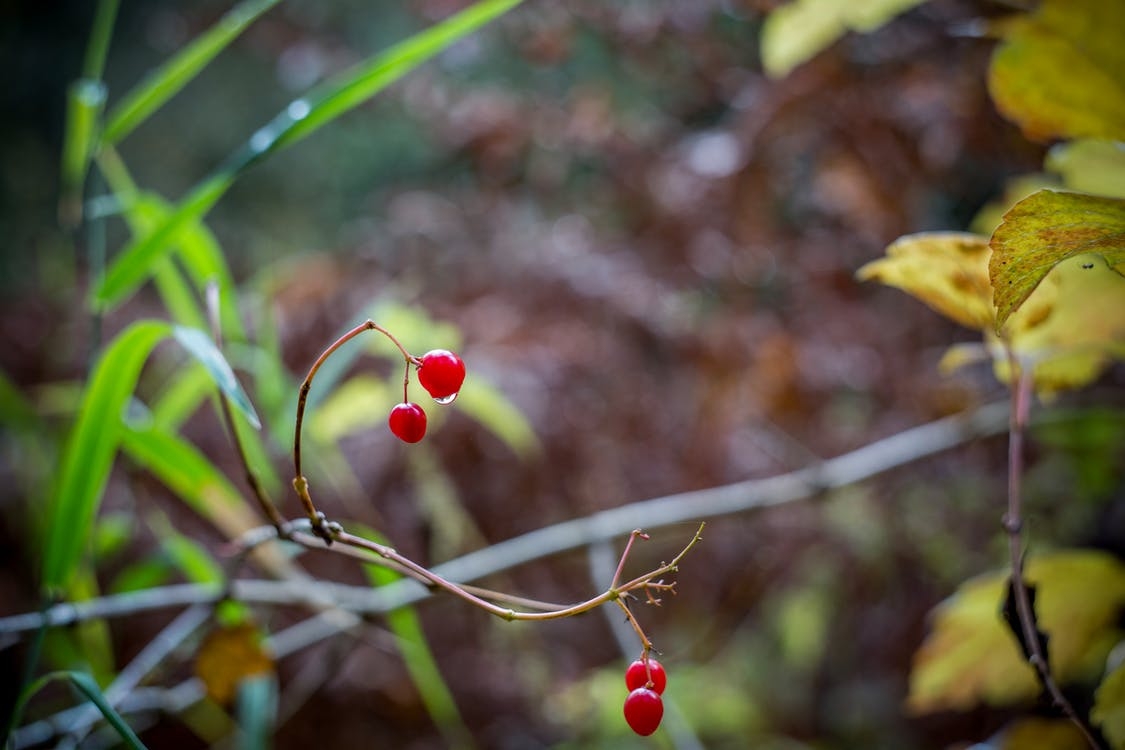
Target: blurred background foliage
{"points": [[644, 249]]}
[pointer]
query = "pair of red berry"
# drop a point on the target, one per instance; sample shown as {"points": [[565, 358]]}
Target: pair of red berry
{"points": [[644, 708], [441, 373]]}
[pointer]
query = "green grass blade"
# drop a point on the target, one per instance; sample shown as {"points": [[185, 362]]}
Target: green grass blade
{"points": [[200, 346], [182, 305], [167, 80], [136, 263], [90, 449], [195, 244], [84, 104], [188, 388], [86, 685], [183, 469], [257, 711], [320, 106], [342, 93], [420, 663], [97, 48]]}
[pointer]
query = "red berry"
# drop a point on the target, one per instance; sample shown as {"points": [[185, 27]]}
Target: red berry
{"points": [[643, 711], [408, 422], [637, 676], [441, 374]]}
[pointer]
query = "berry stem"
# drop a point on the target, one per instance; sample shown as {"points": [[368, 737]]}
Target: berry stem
{"points": [[549, 612], [300, 484], [633, 535]]}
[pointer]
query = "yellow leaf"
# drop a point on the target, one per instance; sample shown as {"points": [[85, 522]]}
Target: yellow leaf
{"points": [[1071, 323], [1045, 228], [1034, 733], [1108, 712], [1060, 73], [795, 32], [971, 657], [1090, 166], [1015, 190], [229, 655], [1071, 327], [946, 270]]}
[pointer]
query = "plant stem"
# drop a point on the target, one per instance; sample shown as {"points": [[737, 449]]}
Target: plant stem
{"points": [[267, 507], [300, 484], [1013, 524], [636, 533]]}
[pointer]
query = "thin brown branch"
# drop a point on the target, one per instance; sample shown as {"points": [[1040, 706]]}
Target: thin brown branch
{"points": [[1023, 383]]}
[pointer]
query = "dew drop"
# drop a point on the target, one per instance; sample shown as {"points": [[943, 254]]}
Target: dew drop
{"points": [[261, 140], [447, 399], [298, 109]]}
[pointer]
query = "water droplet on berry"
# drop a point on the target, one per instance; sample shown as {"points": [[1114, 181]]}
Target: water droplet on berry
{"points": [[447, 399]]}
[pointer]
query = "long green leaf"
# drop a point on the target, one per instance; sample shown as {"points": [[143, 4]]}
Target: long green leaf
{"points": [[181, 302], [167, 80], [98, 45], [189, 387], [320, 106], [195, 244], [86, 685], [420, 662], [184, 470], [200, 346], [135, 264], [257, 711], [342, 93], [85, 101], [90, 449]]}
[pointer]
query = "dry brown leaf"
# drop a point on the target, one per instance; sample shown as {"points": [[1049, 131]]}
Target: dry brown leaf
{"points": [[229, 655]]}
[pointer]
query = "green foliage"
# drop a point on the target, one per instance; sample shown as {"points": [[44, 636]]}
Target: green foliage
{"points": [[167, 80], [420, 663], [257, 711], [798, 30], [323, 104], [90, 450], [200, 346], [86, 685]]}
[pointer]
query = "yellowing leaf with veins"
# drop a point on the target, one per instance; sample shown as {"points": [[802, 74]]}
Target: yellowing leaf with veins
{"points": [[1071, 326], [1060, 72], [1044, 229], [1068, 328], [797, 31], [971, 657], [229, 655], [946, 270]]}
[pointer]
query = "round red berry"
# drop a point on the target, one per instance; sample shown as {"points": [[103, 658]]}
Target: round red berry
{"points": [[441, 373], [643, 711], [408, 422], [637, 676]]}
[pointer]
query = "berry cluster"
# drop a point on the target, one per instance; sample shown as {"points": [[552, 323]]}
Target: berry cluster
{"points": [[644, 708], [441, 373]]}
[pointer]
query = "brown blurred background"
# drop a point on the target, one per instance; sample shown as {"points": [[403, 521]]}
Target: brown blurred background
{"points": [[649, 247]]}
